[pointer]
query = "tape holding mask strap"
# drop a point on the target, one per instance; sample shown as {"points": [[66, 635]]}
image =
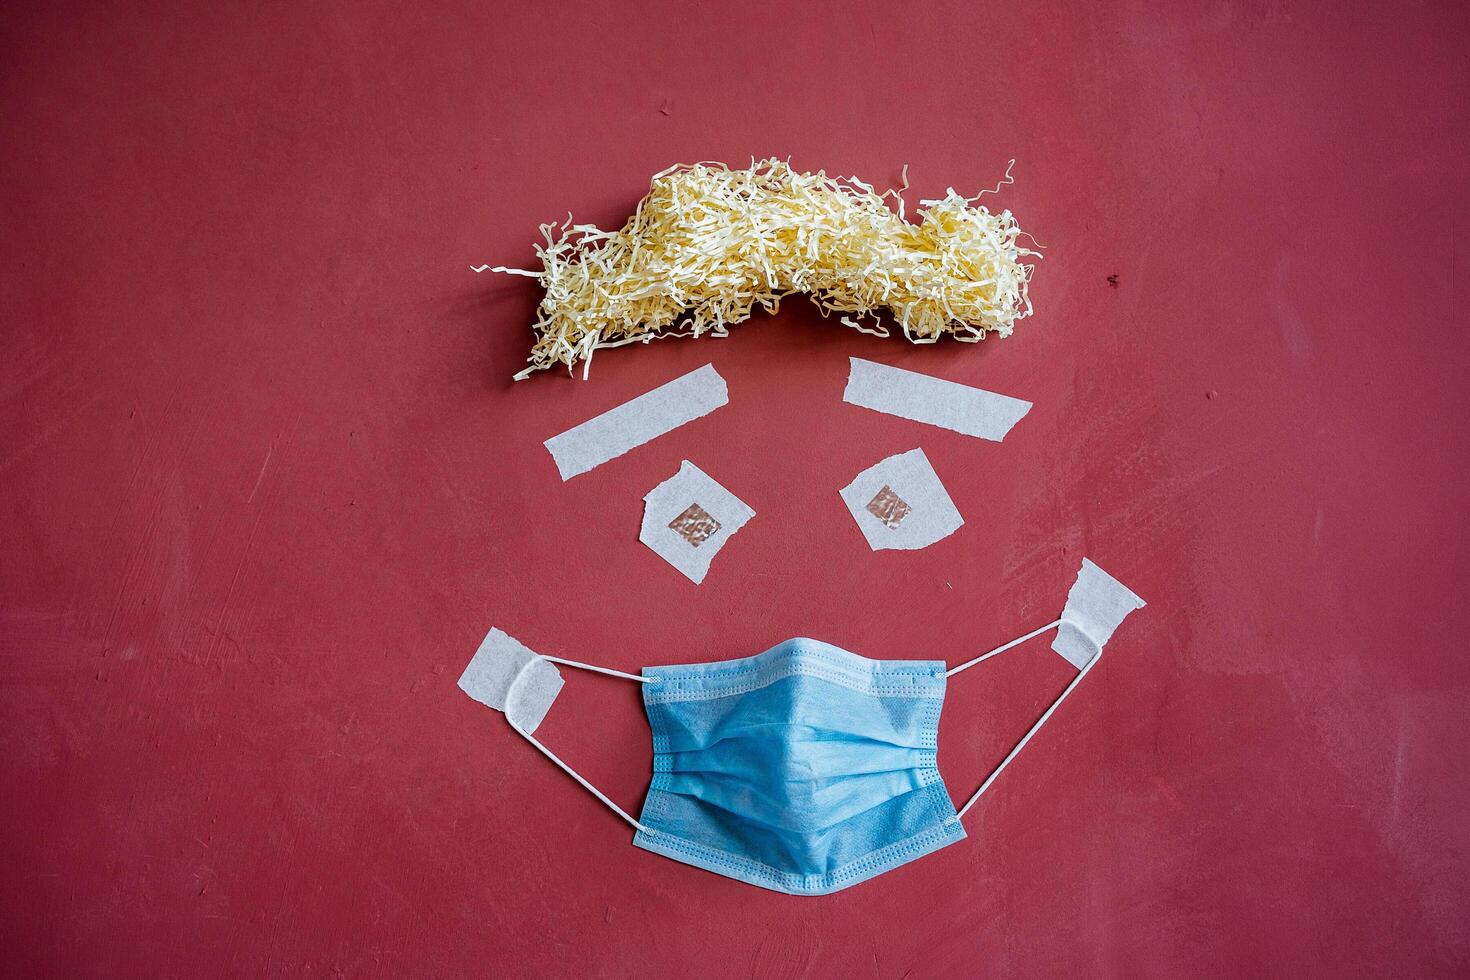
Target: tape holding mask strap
{"points": [[508, 676], [1095, 606]]}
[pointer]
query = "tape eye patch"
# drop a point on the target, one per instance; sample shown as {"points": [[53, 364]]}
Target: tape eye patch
{"points": [[900, 504], [688, 518]]}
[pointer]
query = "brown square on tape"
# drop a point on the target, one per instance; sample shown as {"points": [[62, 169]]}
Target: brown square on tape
{"points": [[889, 507], [695, 525]]}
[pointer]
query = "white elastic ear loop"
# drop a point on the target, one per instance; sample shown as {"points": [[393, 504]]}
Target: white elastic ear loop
{"points": [[564, 767], [600, 670], [1002, 648], [1034, 728]]}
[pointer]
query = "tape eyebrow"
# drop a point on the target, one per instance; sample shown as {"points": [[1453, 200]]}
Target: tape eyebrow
{"points": [[642, 419], [935, 401]]}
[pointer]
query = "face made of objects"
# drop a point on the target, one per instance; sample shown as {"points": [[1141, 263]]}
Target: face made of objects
{"points": [[804, 769]]}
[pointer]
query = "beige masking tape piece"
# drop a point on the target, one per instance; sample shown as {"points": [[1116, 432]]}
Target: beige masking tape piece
{"points": [[900, 504], [509, 677], [688, 518], [635, 422], [934, 401], [1095, 606]]}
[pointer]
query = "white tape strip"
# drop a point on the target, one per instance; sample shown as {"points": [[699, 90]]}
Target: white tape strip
{"points": [[1095, 606], [511, 678], [899, 503], [921, 398], [633, 423], [688, 518]]}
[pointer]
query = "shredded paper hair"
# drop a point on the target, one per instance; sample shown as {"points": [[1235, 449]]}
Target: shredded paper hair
{"points": [[708, 244]]}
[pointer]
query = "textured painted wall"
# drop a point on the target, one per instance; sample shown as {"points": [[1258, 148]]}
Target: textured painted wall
{"points": [[264, 485]]}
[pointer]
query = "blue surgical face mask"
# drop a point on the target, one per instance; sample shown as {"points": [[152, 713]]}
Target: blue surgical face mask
{"points": [[805, 769]]}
